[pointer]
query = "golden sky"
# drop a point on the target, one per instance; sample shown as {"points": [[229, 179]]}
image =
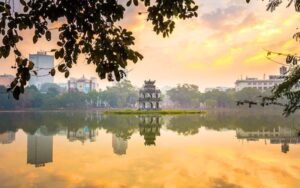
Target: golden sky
{"points": [[226, 41]]}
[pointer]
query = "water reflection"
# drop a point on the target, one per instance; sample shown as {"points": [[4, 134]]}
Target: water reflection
{"points": [[39, 149], [119, 145], [7, 137], [149, 128], [41, 127], [95, 150], [81, 134], [279, 135]]}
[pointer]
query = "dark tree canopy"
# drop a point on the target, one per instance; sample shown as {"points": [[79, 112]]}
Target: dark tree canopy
{"points": [[89, 27]]}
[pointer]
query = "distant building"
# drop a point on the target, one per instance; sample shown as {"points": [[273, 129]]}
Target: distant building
{"points": [[7, 137], [6, 79], [280, 135], [149, 96], [223, 89], [39, 149], [261, 84], [119, 145], [43, 63], [82, 85]]}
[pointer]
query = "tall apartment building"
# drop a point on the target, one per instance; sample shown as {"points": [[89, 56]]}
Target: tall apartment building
{"points": [[43, 63]]}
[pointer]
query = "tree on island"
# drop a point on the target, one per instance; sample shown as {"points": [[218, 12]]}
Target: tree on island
{"points": [[88, 27]]}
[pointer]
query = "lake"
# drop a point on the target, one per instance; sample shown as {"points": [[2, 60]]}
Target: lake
{"points": [[89, 149]]}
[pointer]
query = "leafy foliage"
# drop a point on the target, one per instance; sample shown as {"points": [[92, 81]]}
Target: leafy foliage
{"points": [[88, 27], [122, 95], [185, 96]]}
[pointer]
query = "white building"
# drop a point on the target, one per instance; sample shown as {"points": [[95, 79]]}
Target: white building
{"points": [[261, 84], [6, 79], [82, 85], [43, 63]]}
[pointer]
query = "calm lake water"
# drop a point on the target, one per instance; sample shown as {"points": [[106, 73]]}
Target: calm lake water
{"points": [[94, 150]]}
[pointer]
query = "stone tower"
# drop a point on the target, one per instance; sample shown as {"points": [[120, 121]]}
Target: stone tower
{"points": [[149, 96]]}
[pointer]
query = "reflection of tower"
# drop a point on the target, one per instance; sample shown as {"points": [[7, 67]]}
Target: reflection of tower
{"points": [[119, 145], [39, 149], [7, 137], [149, 128]]}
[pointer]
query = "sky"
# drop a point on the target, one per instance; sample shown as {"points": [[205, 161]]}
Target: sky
{"points": [[225, 42]]}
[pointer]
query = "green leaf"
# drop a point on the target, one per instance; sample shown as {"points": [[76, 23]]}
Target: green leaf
{"points": [[67, 74], [129, 3], [17, 52], [26, 8], [35, 39], [52, 72], [48, 35], [23, 2], [16, 92], [31, 65]]}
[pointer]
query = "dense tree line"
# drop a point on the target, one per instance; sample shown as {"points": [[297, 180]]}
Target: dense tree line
{"points": [[189, 96], [125, 95], [122, 95]]}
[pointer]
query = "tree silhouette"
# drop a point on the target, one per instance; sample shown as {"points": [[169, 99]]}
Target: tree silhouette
{"points": [[88, 27]]}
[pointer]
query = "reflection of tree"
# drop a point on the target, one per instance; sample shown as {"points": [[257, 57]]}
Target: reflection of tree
{"points": [[186, 125], [150, 128], [121, 126]]}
